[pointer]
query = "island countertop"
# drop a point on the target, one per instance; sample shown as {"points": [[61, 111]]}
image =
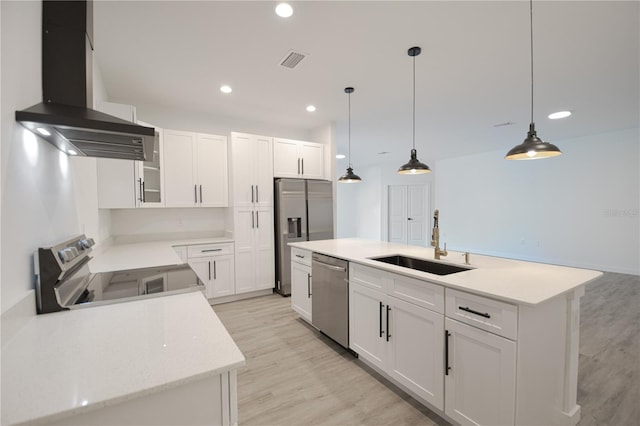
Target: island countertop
{"points": [[514, 281], [70, 362]]}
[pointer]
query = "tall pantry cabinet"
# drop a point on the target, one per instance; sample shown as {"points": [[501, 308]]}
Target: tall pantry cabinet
{"points": [[252, 211]]}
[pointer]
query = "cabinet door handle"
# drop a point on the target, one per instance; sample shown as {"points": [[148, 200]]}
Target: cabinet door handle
{"points": [[380, 316], [388, 334], [215, 275], [409, 218], [209, 250], [446, 352], [257, 219], [463, 308], [257, 195], [209, 270], [144, 198], [252, 195], [195, 193], [301, 257], [302, 159], [141, 190], [298, 166], [253, 225], [200, 194], [308, 286]]}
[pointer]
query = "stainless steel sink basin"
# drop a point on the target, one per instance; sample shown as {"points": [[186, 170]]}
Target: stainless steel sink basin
{"points": [[421, 265]]}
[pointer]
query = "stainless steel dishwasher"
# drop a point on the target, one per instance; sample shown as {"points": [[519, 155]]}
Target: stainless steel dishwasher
{"points": [[330, 301]]}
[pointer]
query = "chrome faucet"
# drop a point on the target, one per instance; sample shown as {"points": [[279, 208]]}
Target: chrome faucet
{"points": [[435, 238]]}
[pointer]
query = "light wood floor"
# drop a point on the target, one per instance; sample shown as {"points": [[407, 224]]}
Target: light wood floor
{"points": [[296, 376]]}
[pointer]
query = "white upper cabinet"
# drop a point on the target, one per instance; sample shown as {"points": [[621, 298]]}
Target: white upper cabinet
{"points": [[252, 170], [149, 174], [195, 169], [298, 159]]}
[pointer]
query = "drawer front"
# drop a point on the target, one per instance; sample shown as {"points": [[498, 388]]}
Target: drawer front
{"points": [[206, 250], [491, 315], [301, 256], [421, 293], [368, 277]]}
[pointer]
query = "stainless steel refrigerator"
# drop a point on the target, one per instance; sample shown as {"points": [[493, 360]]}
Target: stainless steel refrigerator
{"points": [[303, 212]]}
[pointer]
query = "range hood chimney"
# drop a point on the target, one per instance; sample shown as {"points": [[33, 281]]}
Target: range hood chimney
{"points": [[65, 117]]}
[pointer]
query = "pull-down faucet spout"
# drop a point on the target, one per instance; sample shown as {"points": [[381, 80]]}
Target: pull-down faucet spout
{"points": [[435, 237]]}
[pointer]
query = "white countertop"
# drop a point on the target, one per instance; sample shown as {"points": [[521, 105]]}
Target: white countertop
{"points": [[69, 362], [122, 257], [514, 281]]}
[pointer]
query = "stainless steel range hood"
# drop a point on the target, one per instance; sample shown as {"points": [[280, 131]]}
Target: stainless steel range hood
{"points": [[65, 117]]}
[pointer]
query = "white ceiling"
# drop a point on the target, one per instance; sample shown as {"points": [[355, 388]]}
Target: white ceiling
{"points": [[473, 72]]}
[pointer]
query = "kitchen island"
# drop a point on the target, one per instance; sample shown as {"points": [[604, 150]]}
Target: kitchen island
{"points": [[496, 343], [164, 360]]}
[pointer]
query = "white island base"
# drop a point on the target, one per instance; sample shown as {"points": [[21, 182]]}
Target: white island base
{"points": [[211, 401]]}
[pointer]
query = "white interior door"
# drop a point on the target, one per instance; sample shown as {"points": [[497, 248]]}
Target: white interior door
{"points": [[408, 214], [397, 214], [417, 215]]}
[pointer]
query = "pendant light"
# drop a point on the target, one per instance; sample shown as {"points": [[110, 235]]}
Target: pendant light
{"points": [[414, 166], [349, 176], [533, 148]]}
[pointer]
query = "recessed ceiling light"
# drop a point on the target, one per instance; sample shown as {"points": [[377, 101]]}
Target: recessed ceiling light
{"points": [[340, 156], [43, 131], [311, 108], [284, 10], [559, 114], [226, 89], [72, 152]]}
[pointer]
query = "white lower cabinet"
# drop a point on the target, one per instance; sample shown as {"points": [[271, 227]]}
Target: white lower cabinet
{"points": [[214, 266], [301, 283], [402, 339], [481, 378], [254, 252]]}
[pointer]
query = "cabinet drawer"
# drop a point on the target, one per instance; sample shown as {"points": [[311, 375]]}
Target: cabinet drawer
{"points": [[301, 256], [367, 276], [206, 250], [491, 315], [421, 293]]}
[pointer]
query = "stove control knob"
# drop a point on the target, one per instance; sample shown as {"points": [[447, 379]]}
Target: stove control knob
{"points": [[63, 256], [80, 246], [89, 242], [74, 252]]}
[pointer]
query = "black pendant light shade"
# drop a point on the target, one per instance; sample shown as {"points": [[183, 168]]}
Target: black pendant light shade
{"points": [[533, 148], [414, 166], [349, 176]]}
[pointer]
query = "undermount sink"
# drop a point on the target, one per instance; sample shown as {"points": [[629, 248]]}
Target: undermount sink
{"points": [[421, 265]]}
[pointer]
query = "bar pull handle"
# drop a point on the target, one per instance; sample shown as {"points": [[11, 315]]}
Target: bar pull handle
{"points": [[463, 308], [257, 219], [301, 257], [141, 190], [253, 225], [200, 194], [298, 166], [257, 195], [308, 285], [252, 195], [209, 250], [209, 270], [388, 334], [144, 197], [195, 193], [380, 316], [446, 352], [215, 275], [302, 165]]}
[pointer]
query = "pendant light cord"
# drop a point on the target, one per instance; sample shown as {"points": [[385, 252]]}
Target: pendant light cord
{"points": [[349, 129], [531, 26], [414, 102]]}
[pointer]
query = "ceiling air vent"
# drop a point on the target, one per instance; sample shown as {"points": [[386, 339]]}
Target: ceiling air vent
{"points": [[292, 59]]}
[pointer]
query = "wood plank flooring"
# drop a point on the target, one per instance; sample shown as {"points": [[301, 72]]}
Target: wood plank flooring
{"points": [[296, 376]]}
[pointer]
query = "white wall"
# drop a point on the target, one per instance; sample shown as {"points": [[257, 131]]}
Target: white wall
{"points": [[579, 209], [362, 206], [38, 201]]}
